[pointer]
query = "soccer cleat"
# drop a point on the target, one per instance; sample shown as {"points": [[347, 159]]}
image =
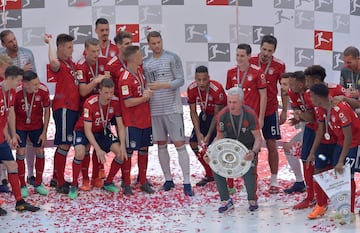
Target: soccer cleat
{"points": [[73, 192], [31, 180], [24, 206], [205, 180], [147, 188], [232, 190], [41, 190], [298, 187], [317, 212], [169, 184], [127, 190], [63, 189], [97, 182], [102, 174], [85, 186], [304, 204], [24, 191], [53, 183], [4, 188], [188, 191], [253, 205], [226, 206], [2, 212], [274, 189], [147, 181], [111, 188]]}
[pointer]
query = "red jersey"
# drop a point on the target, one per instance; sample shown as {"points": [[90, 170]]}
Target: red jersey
{"points": [[7, 100], [254, 80], [132, 86], [207, 100], [273, 72], [89, 72], [342, 115], [36, 103], [303, 102], [334, 90], [92, 113], [109, 51], [66, 90], [115, 67]]}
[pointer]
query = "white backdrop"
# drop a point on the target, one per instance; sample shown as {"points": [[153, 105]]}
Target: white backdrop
{"points": [[200, 31]]}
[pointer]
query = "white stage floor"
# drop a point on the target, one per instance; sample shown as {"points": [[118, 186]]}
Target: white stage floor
{"points": [[100, 211]]}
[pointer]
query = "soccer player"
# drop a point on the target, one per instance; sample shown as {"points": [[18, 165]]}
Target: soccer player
{"points": [[32, 109], [94, 127], [13, 77], [117, 64], [211, 97], [239, 122], [251, 79], [66, 103], [5, 62], [164, 75], [24, 59], [346, 126], [291, 147], [91, 68], [325, 139], [273, 69], [134, 101], [304, 112], [350, 74], [107, 49]]}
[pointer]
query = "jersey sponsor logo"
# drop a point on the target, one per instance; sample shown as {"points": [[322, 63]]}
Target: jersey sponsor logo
{"points": [[111, 110], [125, 90], [271, 71], [250, 78]]}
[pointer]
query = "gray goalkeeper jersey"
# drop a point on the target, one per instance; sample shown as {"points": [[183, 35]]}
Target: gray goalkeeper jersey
{"points": [[167, 69]]}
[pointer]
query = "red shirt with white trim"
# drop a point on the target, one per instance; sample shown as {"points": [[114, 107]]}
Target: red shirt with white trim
{"points": [[41, 100]]}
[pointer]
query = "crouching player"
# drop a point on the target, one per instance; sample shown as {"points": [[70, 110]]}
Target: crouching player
{"points": [[93, 128]]}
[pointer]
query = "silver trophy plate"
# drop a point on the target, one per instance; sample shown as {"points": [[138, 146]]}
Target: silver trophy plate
{"points": [[227, 158]]}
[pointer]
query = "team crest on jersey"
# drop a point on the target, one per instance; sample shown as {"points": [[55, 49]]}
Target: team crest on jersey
{"points": [[342, 117], [112, 53], [250, 78], [221, 96], [210, 98], [37, 98], [221, 126], [111, 110], [125, 90], [102, 68], [86, 112], [271, 71]]}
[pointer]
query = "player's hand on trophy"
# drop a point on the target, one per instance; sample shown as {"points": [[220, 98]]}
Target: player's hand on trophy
{"points": [[250, 155]]}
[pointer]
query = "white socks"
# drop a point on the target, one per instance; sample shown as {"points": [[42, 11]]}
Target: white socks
{"points": [[164, 160], [295, 165], [184, 162]]}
